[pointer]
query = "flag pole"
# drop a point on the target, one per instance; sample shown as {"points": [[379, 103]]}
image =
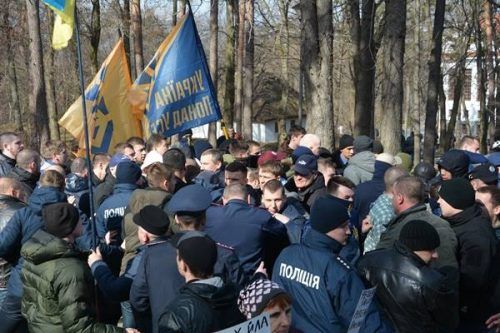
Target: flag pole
{"points": [[86, 129]]}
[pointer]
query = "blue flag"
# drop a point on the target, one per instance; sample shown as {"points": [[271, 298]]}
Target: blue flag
{"points": [[177, 81]]}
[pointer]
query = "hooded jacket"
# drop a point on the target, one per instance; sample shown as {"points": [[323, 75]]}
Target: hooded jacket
{"points": [[202, 306], [361, 167], [479, 262], [456, 162], [327, 287], [414, 296], [58, 288], [23, 224], [76, 186]]}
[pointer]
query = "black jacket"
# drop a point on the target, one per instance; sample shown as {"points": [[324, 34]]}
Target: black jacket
{"points": [[104, 190], [478, 262], [202, 306], [309, 195], [25, 177], [414, 296], [6, 164]]}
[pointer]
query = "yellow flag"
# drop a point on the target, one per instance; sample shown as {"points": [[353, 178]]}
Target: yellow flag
{"points": [[64, 21], [109, 113]]}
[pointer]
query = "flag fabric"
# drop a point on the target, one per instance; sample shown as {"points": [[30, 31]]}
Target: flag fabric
{"points": [[175, 91], [64, 21], [110, 118]]}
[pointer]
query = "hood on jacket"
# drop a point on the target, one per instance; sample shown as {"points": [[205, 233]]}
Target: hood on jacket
{"points": [[317, 240], [43, 196], [43, 247], [379, 169], [456, 162], [364, 160], [75, 183]]}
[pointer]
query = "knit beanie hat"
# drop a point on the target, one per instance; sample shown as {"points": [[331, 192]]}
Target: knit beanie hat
{"points": [[60, 219], [345, 141], [328, 214], [362, 143], [418, 235], [255, 297], [457, 192], [456, 162], [198, 251], [127, 173]]}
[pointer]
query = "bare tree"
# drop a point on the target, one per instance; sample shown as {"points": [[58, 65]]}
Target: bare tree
{"points": [[364, 59], [37, 99], [393, 46], [49, 84], [238, 93], [317, 44], [490, 71], [125, 24], [284, 38], [214, 60], [248, 67], [434, 79], [229, 62], [136, 18], [95, 34]]}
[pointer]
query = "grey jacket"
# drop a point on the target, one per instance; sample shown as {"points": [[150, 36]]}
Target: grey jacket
{"points": [[360, 167], [447, 251]]}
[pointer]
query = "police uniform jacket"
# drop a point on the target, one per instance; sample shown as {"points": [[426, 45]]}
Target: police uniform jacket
{"points": [[155, 284], [244, 228], [325, 289], [110, 214]]}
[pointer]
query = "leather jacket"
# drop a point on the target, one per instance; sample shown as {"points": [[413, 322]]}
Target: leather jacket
{"points": [[414, 296]]}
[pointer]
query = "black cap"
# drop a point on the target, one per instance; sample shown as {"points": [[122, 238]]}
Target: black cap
{"points": [[345, 141], [127, 173], [485, 172], [458, 192], [456, 162], [60, 219], [152, 219], [418, 235], [199, 252], [328, 214], [425, 171], [190, 200], [306, 165]]}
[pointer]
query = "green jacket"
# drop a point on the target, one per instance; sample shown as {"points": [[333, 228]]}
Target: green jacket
{"points": [[57, 288]]}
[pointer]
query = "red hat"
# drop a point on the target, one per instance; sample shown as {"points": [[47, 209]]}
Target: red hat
{"points": [[271, 156]]}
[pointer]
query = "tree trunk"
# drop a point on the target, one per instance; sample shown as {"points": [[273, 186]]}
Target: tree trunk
{"points": [[483, 112], [490, 71], [174, 13], [14, 104], [442, 110], [364, 59], [238, 96], [95, 34], [229, 56], [415, 91], [446, 142], [214, 60], [136, 18], [284, 55], [125, 18], [49, 83], [392, 81], [432, 87], [37, 99], [248, 65], [317, 48]]}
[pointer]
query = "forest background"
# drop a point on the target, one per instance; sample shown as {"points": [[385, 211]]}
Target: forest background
{"points": [[374, 67]]}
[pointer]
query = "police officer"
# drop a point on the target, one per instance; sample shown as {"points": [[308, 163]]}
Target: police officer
{"points": [[188, 206], [324, 287]]}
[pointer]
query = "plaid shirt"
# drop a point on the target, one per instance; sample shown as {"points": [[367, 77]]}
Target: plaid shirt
{"points": [[381, 213]]}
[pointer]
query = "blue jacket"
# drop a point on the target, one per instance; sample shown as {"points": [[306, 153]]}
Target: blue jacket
{"points": [[325, 288], [366, 193], [23, 224], [156, 283], [244, 228], [294, 210], [110, 213]]}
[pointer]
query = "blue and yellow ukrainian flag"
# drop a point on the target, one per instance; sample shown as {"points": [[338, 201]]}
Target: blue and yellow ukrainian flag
{"points": [[109, 113], [175, 91], [64, 21]]}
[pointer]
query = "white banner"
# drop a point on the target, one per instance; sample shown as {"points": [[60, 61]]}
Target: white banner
{"points": [[260, 324]]}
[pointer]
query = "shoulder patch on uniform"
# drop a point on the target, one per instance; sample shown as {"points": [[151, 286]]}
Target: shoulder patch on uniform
{"points": [[225, 246], [343, 262]]}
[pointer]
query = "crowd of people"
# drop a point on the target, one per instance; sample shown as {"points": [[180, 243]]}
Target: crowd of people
{"points": [[187, 237]]}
